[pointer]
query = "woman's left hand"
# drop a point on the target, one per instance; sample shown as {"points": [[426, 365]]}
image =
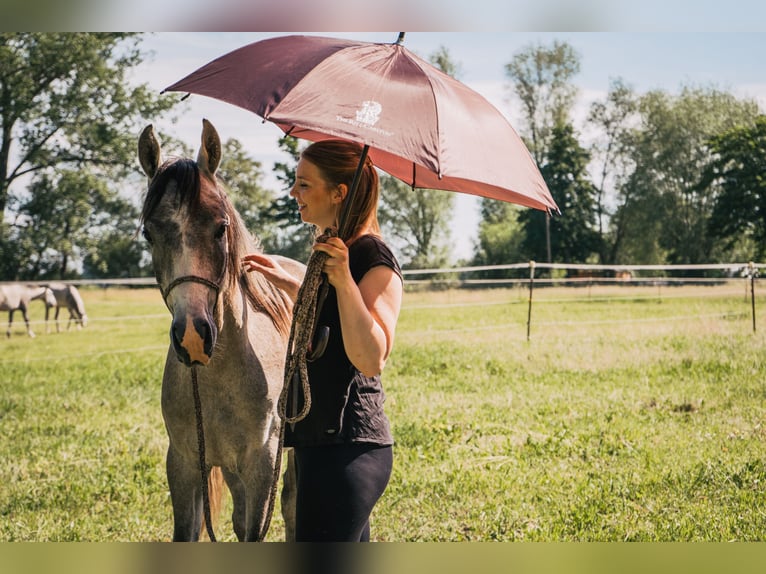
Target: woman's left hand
{"points": [[336, 266]]}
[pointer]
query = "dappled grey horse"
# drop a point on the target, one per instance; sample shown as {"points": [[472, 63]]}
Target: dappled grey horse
{"points": [[16, 296], [228, 326], [66, 296]]}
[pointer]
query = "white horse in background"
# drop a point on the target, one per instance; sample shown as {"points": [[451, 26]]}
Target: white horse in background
{"points": [[67, 296], [15, 296]]}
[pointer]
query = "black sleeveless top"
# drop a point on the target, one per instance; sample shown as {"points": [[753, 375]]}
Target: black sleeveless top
{"points": [[346, 406]]}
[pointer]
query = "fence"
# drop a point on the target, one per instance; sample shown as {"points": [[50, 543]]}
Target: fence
{"points": [[531, 276], [573, 275]]}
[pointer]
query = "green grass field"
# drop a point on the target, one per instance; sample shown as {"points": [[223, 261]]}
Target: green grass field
{"points": [[631, 414]]}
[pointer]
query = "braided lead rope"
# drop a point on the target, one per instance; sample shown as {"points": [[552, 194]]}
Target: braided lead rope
{"points": [[301, 331], [202, 463]]}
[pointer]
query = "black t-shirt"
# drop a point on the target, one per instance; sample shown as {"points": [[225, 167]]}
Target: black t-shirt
{"points": [[346, 406]]}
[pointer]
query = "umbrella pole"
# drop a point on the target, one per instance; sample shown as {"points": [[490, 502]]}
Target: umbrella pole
{"points": [[344, 214]]}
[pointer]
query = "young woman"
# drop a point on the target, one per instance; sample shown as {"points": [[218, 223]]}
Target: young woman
{"points": [[343, 448]]}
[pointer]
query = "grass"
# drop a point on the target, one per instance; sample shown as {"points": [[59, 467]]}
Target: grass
{"points": [[629, 415]]}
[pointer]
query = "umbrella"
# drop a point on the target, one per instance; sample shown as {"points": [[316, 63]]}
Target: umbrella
{"points": [[416, 122]]}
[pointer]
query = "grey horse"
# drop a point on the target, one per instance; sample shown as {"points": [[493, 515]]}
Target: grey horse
{"points": [[67, 296], [16, 296], [229, 326]]}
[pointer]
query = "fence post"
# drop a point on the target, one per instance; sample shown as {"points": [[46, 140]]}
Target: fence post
{"points": [[531, 287], [753, 272]]}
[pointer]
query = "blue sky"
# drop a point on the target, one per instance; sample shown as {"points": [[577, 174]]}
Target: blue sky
{"points": [[654, 60]]}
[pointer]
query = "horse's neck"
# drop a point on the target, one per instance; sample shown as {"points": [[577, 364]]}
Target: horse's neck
{"points": [[36, 292]]}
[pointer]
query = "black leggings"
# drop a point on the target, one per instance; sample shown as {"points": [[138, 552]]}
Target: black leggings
{"points": [[338, 487]]}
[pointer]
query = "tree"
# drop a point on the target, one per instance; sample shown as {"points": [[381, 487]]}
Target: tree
{"points": [[242, 176], [66, 106], [663, 214], [738, 171], [63, 216], [574, 237], [541, 78], [419, 220], [499, 237], [614, 118], [542, 82]]}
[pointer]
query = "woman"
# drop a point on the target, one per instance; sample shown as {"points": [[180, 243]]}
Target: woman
{"points": [[343, 448]]}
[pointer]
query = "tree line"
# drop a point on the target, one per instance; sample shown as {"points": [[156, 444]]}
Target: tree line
{"points": [[668, 179]]}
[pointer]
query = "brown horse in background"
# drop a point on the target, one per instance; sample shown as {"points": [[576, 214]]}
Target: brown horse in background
{"points": [[230, 326]]}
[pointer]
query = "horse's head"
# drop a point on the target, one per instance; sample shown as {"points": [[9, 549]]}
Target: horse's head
{"points": [[186, 222]]}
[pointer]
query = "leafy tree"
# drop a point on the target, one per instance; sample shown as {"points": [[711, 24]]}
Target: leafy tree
{"points": [[541, 78], [738, 171], [662, 214], [59, 222], [574, 237], [242, 175], [66, 105], [499, 236], [419, 220], [614, 118]]}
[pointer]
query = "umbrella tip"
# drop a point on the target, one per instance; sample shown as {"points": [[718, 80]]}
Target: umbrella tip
{"points": [[400, 39]]}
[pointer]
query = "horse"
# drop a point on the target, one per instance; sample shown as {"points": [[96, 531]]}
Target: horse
{"points": [[15, 296], [229, 328], [67, 296]]}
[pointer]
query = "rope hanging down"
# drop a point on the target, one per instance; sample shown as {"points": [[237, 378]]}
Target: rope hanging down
{"points": [[301, 333]]}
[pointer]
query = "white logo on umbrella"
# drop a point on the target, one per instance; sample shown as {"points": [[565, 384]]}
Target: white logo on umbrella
{"points": [[369, 113]]}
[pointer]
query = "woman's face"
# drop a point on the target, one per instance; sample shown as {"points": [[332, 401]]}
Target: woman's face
{"points": [[318, 200]]}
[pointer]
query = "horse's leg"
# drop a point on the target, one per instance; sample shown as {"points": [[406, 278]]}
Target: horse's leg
{"points": [[259, 474], [289, 495], [10, 322], [239, 499], [26, 320], [186, 497], [47, 313], [56, 317]]}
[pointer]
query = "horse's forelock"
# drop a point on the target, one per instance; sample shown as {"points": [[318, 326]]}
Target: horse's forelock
{"points": [[185, 173]]}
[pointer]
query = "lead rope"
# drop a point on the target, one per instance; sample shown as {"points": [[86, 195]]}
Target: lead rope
{"points": [[202, 464], [301, 331]]}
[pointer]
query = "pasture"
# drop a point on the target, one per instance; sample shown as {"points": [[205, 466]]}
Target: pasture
{"points": [[632, 414]]}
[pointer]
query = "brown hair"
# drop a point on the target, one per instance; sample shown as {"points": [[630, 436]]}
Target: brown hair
{"points": [[337, 161]]}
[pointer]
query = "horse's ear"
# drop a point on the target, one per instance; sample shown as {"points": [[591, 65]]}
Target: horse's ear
{"points": [[149, 151], [209, 155]]}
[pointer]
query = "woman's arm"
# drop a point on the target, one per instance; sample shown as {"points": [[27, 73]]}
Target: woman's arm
{"points": [[368, 311]]}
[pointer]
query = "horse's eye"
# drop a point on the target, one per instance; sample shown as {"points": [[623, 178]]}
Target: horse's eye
{"points": [[146, 235], [221, 230]]}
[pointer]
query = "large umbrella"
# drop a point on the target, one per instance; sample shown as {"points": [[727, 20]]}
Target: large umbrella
{"points": [[418, 123]]}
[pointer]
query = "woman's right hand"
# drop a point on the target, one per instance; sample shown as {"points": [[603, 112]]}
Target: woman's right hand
{"points": [[273, 271]]}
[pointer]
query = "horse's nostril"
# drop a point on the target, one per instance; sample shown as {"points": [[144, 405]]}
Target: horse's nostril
{"points": [[193, 340]]}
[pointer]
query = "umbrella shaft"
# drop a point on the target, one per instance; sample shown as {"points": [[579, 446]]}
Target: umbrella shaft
{"points": [[343, 224]]}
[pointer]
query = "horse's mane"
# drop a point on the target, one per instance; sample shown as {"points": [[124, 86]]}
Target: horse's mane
{"points": [[261, 293]]}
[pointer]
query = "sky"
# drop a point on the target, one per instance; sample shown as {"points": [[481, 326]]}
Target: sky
{"points": [[646, 61]]}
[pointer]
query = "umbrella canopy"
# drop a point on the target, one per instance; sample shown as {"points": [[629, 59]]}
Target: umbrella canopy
{"points": [[421, 125]]}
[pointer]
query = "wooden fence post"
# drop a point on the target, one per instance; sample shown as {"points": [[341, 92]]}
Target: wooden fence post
{"points": [[531, 287], [753, 272]]}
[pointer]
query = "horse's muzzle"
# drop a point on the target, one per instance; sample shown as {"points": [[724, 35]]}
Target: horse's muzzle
{"points": [[193, 340]]}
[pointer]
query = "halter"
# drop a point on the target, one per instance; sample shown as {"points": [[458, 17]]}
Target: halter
{"points": [[214, 285]]}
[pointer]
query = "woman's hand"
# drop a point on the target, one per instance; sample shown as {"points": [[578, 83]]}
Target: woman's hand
{"points": [[336, 266], [272, 271]]}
